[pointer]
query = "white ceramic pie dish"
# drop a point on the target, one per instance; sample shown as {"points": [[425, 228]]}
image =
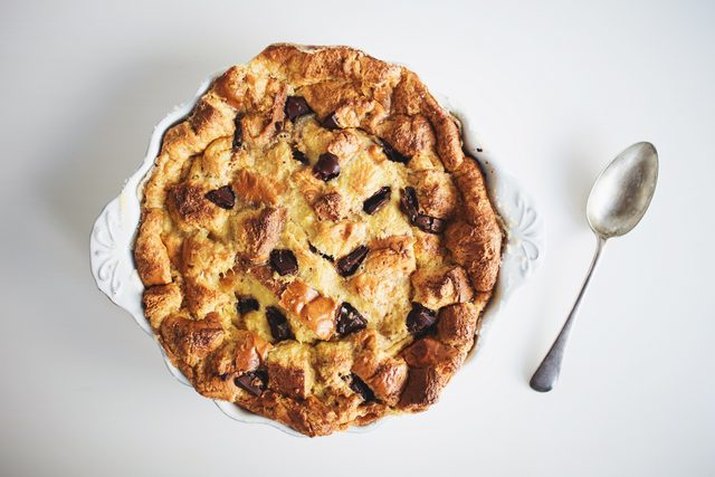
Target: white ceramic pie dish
{"points": [[113, 234]]}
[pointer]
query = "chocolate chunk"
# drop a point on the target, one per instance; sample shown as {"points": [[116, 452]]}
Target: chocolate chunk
{"points": [[408, 203], [238, 134], [392, 153], [246, 304], [280, 328], [349, 263], [327, 257], [223, 197], [373, 203], [420, 319], [283, 261], [327, 167], [253, 381], [331, 122], [279, 126], [349, 320], [296, 106], [428, 224], [300, 157], [359, 386]]}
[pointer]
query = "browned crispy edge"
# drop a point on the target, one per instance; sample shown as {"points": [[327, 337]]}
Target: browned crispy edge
{"points": [[474, 241]]}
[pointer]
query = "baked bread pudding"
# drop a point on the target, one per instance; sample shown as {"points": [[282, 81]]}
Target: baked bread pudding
{"points": [[315, 245]]}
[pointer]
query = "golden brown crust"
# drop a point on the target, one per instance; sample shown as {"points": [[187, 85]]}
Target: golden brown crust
{"points": [[191, 340], [289, 370], [457, 325], [254, 188], [437, 288], [476, 243], [151, 256], [280, 258], [258, 234], [329, 207], [436, 194], [161, 301]]}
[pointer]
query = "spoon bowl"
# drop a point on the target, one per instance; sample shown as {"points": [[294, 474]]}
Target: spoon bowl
{"points": [[623, 191], [618, 200]]}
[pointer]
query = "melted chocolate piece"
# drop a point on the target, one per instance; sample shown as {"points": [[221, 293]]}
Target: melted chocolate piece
{"points": [[223, 197], [375, 202], [408, 203], [253, 381], [392, 153], [296, 106], [349, 263], [349, 320], [238, 134], [327, 257], [283, 261], [246, 304], [331, 122], [300, 157], [359, 386], [420, 319], [327, 167], [428, 224], [280, 328]]}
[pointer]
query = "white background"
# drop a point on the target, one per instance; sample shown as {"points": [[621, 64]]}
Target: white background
{"points": [[557, 89]]}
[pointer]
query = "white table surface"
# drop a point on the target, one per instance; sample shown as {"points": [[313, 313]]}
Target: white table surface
{"points": [[557, 88]]}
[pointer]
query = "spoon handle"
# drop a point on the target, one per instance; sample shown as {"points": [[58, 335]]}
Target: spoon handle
{"points": [[545, 377]]}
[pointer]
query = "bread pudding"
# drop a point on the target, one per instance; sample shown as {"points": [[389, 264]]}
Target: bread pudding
{"points": [[315, 245]]}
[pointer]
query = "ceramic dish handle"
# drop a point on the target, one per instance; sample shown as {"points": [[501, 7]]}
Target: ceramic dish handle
{"points": [[112, 238], [112, 264], [110, 245], [525, 237]]}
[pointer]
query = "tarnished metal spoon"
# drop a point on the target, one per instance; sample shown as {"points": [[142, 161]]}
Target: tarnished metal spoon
{"points": [[618, 200]]}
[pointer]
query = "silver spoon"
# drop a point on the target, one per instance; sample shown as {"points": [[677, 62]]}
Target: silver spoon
{"points": [[618, 200]]}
